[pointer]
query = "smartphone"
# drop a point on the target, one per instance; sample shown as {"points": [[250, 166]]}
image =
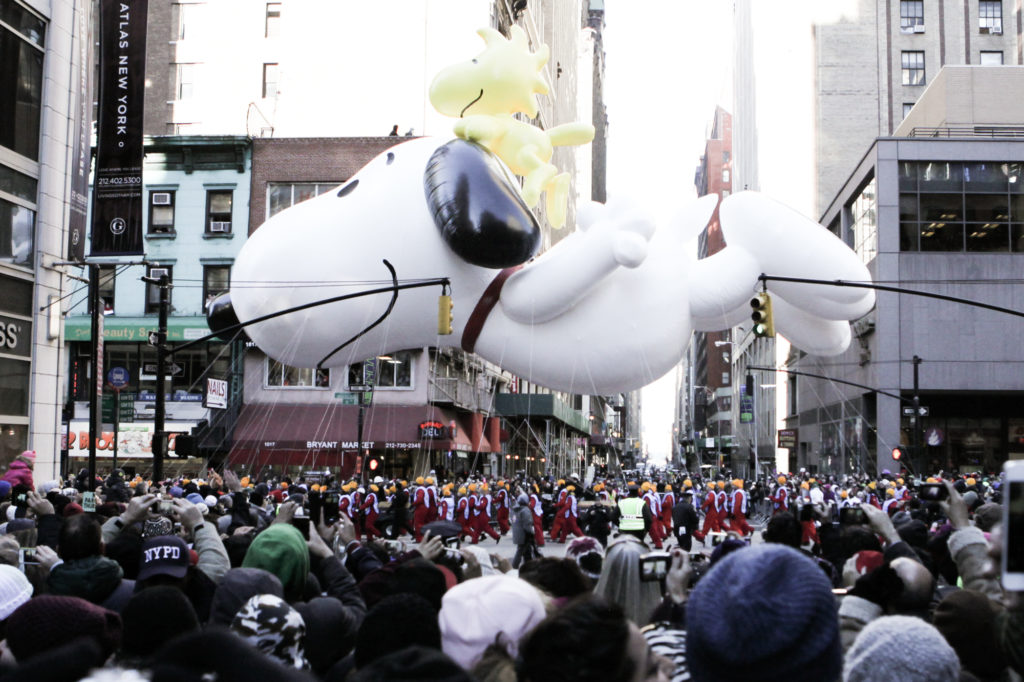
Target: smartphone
{"points": [[1013, 526], [302, 523], [852, 516], [654, 566], [27, 556], [717, 538], [394, 546], [331, 500], [21, 500], [932, 492], [166, 507]]}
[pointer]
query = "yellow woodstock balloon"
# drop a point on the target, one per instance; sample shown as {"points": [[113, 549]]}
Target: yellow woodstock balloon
{"points": [[484, 92]]}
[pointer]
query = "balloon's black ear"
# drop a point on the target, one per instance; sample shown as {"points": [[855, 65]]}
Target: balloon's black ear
{"points": [[221, 318], [477, 207]]}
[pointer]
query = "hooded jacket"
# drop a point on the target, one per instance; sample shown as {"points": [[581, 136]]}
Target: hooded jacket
{"points": [[96, 579]]}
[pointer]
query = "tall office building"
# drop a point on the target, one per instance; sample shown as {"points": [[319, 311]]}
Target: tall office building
{"points": [[872, 66]]}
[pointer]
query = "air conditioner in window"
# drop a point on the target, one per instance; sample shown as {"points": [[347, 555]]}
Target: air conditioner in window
{"points": [[157, 273], [919, 28], [220, 226], [161, 198], [995, 31]]}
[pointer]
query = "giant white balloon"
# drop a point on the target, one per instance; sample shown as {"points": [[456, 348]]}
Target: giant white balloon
{"points": [[609, 308]]}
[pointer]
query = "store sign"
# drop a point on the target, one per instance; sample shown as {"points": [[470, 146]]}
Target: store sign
{"points": [[746, 406], [216, 394], [788, 438], [15, 337], [135, 440], [432, 430]]}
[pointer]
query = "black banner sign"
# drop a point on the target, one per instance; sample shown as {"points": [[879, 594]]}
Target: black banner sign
{"points": [[82, 130], [117, 185]]}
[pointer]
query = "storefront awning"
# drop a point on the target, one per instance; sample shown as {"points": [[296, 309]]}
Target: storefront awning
{"points": [[79, 328]]}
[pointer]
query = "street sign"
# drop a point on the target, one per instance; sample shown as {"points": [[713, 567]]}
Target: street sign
{"points": [[118, 377], [347, 398], [126, 407], [746, 406], [788, 438], [173, 368], [922, 411]]}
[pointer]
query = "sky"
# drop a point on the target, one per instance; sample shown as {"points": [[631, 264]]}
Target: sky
{"points": [[668, 65]]}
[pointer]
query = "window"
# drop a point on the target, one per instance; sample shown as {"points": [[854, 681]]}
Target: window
{"points": [[280, 375], [864, 223], [17, 233], [389, 371], [725, 378], [161, 212], [991, 57], [725, 175], [975, 207], [216, 281], [912, 16], [107, 277], [153, 291], [990, 16], [186, 20], [281, 195], [725, 156], [185, 77], [270, 77], [913, 67], [273, 24], [907, 106], [218, 211], [21, 87], [791, 385]]}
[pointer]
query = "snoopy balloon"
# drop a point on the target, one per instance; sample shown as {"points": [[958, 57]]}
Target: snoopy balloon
{"points": [[609, 308]]}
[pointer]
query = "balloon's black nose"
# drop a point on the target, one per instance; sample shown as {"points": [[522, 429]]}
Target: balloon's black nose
{"points": [[222, 320]]}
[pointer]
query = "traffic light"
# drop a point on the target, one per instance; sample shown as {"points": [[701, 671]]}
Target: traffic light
{"points": [[897, 454], [444, 314], [762, 315], [373, 464]]}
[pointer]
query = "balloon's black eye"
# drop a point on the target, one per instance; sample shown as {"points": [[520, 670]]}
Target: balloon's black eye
{"points": [[347, 189], [391, 158]]}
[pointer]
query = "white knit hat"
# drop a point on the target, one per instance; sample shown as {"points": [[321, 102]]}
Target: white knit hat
{"points": [[901, 649], [484, 611], [15, 590]]}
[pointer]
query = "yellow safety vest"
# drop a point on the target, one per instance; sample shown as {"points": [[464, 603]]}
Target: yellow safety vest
{"points": [[631, 510]]}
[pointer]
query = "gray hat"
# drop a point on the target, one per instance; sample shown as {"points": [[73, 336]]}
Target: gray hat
{"points": [[900, 649]]}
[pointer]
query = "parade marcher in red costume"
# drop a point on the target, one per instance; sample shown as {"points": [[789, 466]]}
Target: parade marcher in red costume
{"points": [[419, 509], [556, 524], [538, 518], [370, 513], [501, 505], [668, 500], [483, 517], [739, 509], [780, 498], [570, 516]]}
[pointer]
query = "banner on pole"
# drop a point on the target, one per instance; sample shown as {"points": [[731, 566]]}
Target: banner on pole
{"points": [[82, 130], [117, 184]]}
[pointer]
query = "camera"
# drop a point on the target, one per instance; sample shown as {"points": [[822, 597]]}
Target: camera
{"points": [[654, 566], [932, 492], [852, 516]]}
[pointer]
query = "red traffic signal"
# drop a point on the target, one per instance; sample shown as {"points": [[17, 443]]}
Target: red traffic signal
{"points": [[897, 453], [373, 464]]}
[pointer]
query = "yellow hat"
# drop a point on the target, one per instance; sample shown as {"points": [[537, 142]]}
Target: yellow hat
{"points": [[971, 481], [668, 488], [392, 489], [890, 491], [462, 490], [472, 487], [688, 483], [721, 485], [483, 486], [284, 486], [419, 480], [899, 481], [737, 483], [132, 484], [843, 494], [781, 480], [872, 485], [374, 488], [405, 484], [185, 481], [314, 488], [430, 480], [561, 481], [931, 479], [805, 485], [645, 486], [244, 481], [811, 480], [571, 488]]}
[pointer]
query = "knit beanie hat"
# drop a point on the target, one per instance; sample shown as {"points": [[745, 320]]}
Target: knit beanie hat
{"points": [[988, 515], [275, 628], [48, 621], [966, 619], [281, 550], [395, 622], [764, 612], [154, 616], [236, 587], [413, 663], [5, 489], [15, 590], [157, 526], [71, 509], [28, 456], [900, 649], [492, 610]]}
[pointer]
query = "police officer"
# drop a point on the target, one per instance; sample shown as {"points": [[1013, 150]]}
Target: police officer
{"points": [[632, 514]]}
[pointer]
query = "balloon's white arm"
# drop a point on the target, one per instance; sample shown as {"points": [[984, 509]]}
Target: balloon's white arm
{"points": [[721, 287], [562, 276]]}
